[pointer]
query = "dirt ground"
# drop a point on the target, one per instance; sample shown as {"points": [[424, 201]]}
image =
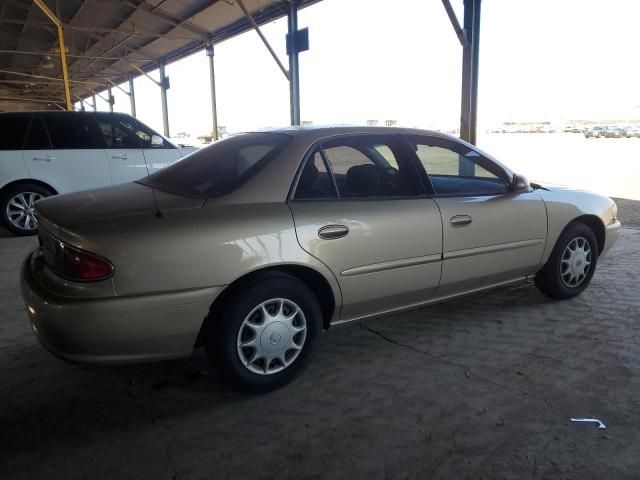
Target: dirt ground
{"points": [[629, 211], [481, 388]]}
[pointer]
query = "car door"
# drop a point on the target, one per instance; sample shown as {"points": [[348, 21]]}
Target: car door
{"points": [[66, 151], [158, 151], [123, 148], [13, 130], [490, 234], [360, 208]]}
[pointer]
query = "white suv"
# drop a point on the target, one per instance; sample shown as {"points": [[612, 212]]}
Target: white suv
{"points": [[46, 153]]}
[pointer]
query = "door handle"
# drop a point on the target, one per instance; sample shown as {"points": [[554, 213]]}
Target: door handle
{"points": [[121, 157], [330, 232], [458, 221], [46, 158]]}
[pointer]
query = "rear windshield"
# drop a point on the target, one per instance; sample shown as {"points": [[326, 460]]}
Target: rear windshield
{"points": [[220, 168]]}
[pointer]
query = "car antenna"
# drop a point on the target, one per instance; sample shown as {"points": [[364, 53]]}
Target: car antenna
{"points": [[159, 213]]}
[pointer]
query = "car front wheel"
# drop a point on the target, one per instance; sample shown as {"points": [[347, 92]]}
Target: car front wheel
{"points": [[18, 207], [266, 332], [571, 264]]}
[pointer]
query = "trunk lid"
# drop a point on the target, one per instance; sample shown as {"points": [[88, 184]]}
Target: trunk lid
{"points": [[125, 200]]}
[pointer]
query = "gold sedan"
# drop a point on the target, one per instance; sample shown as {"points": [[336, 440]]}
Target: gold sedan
{"points": [[252, 246]]}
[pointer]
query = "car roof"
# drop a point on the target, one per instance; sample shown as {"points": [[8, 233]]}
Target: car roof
{"points": [[60, 113], [312, 134], [324, 131]]}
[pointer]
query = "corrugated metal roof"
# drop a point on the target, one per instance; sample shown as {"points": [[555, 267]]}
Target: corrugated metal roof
{"points": [[103, 38]]}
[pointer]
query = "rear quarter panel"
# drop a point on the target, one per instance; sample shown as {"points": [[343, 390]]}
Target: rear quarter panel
{"points": [[210, 246]]}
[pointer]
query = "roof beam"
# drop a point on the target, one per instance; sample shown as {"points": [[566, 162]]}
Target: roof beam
{"points": [[176, 22], [26, 82], [118, 44], [33, 100], [54, 79], [90, 29], [462, 37], [142, 72], [119, 88], [45, 54], [256, 27]]}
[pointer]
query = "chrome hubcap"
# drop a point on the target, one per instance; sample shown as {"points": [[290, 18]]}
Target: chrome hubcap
{"points": [[271, 336], [576, 262], [21, 210]]}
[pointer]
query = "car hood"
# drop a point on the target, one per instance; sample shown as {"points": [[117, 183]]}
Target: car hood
{"points": [[127, 199], [553, 187]]}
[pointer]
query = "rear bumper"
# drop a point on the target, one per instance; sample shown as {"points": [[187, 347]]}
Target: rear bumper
{"points": [[115, 330], [612, 232]]}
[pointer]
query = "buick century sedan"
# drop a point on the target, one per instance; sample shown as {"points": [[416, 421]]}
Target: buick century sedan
{"points": [[254, 245]]}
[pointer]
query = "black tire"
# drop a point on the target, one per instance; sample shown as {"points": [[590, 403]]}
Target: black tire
{"points": [[10, 193], [550, 281], [221, 334]]}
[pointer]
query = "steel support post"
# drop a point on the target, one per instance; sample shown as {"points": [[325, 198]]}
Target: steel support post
{"points": [[475, 57], [110, 98], [163, 93], [212, 80], [470, 57], [63, 55], [465, 97], [294, 70], [63, 64], [93, 101], [132, 96]]}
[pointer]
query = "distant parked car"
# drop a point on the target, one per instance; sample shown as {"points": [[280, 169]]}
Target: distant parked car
{"points": [[46, 153], [253, 245], [594, 132], [632, 132], [614, 132]]}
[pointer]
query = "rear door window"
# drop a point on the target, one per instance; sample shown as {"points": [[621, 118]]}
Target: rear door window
{"points": [[13, 129], [315, 181], [37, 137], [372, 166], [74, 132]]}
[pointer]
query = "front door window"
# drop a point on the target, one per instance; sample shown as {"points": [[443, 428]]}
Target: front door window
{"points": [[457, 170]]}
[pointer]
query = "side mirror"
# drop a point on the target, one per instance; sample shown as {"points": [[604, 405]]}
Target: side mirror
{"points": [[156, 141], [520, 183]]}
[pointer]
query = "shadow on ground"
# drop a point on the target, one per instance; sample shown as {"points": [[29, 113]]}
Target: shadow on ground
{"points": [[479, 388]]}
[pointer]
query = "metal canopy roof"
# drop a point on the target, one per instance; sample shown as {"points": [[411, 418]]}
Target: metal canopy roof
{"points": [[109, 40]]}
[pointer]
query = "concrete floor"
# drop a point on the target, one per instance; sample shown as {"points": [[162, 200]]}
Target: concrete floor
{"points": [[479, 388]]}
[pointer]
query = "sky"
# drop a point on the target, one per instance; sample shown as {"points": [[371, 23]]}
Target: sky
{"points": [[549, 60]]}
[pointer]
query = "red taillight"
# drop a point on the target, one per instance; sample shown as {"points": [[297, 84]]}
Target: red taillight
{"points": [[78, 265]]}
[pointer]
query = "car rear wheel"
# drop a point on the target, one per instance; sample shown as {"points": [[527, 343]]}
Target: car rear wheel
{"points": [[571, 265], [18, 207], [266, 332]]}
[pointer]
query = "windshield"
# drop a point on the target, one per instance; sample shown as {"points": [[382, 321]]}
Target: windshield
{"points": [[220, 168]]}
